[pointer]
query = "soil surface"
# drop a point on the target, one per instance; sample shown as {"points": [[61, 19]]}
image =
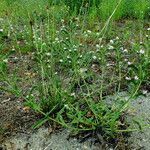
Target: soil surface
{"points": [[45, 139]]}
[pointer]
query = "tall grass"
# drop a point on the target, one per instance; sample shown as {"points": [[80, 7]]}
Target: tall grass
{"points": [[103, 8]]}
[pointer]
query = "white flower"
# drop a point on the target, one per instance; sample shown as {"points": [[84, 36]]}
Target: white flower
{"points": [[146, 35], [141, 42], [86, 35], [128, 78], [141, 51], [5, 60], [94, 57], [80, 56], [110, 47], [111, 41], [97, 33], [68, 57], [1, 19], [117, 38], [125, 50], [60, 60], [136, 78], [129, 63], [144, 92], [63, 26], [72, 94], [62, 20], [1, 30], [97, 46], [48, 54], [82, 70], [125, 60], [121, 48], [88, 31], [74, 46], [66, 106], [56, 39], [148, 29]]}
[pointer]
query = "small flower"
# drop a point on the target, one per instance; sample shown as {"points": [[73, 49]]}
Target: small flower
{"points": [[82, 70], [66, 106], [128, 78], [141, 51], [80, 44], [61, 60], [144, 92], [110, 47], [97, 33], [125, 50], [88, 31], [129, 63], [117, 38], [141, 42], [62, 20], [1, 19], [13, 49], [121, 48], [56, 39], [80, 56], [72, 94], [68, 57], [1, 30], [48, 54], [111, 41], [125, 60], [86, 35], [97, 46], [5, 60], [136, 78], [94, 57], [148, 29]]}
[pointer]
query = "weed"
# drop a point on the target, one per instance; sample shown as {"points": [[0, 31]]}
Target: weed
{"points": [[79, 60]]}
